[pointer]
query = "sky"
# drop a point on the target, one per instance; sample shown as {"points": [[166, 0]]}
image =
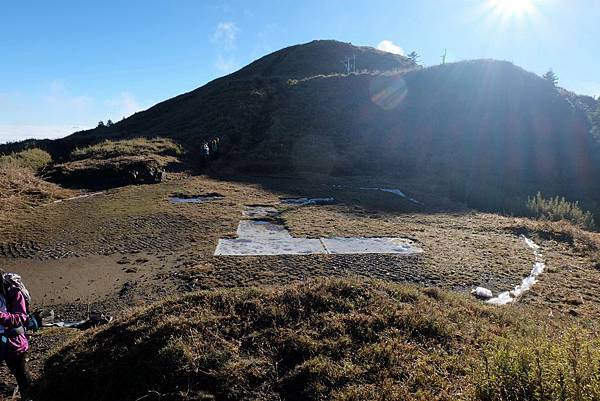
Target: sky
{"points": [[65, 65]]}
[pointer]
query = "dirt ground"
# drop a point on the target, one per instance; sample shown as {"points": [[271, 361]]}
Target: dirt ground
{"points": [[131, 246]]}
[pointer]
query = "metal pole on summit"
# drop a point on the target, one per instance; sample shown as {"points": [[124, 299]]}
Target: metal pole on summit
{"points": [[444, 56]]}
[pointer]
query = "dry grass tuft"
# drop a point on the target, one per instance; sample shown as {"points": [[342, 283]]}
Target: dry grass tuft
{"points": [[583, 241], [20, 188], [538, 369], [324, 339], [33, 159], [129, 147]]}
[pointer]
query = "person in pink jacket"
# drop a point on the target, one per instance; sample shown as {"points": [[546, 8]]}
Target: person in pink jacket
{"points": [[14, 343]]}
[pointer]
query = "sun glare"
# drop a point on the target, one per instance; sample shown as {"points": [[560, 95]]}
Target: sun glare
{"points": [[513, 8]]}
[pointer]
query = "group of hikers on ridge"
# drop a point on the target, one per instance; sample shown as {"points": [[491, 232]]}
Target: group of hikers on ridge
{"points": [[210, 148]]}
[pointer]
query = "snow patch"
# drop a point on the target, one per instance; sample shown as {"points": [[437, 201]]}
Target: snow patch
{"points": [[393, 191], [511, 296], [79, 197], [193, 199], [307, 201]]}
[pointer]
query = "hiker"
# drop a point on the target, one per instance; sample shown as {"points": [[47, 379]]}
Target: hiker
{"points": [[213, 148], [206, 151], [13, 322]]}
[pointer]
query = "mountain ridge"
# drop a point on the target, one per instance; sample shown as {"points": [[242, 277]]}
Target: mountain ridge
{"points": [[478, 126]]}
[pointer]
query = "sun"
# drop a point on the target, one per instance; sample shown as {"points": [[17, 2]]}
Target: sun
{"points": [[512, 8]]}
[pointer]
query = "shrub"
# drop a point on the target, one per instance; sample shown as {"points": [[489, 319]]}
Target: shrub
{"points": [[321, 340], [128, 147], [556, 209], [535, 370], [34, 159]]}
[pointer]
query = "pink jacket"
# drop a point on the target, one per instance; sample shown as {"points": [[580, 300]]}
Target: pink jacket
{"points": [[15, 316]]}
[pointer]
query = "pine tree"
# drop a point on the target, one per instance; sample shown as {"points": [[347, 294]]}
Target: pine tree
{"points": [[413, 56], [101, 124], [109, 123], [551, 77]]}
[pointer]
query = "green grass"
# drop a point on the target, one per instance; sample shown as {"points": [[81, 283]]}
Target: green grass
{"points": [[34, 159], [528, 368], [128, 147]]}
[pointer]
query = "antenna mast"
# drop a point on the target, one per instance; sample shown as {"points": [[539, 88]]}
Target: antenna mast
{"points": [[350, 64]]}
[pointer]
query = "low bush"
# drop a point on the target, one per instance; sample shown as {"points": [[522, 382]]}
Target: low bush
{"points": [[128, 147], [534, 369], [556, 209], [34, 159], [341, 339]]}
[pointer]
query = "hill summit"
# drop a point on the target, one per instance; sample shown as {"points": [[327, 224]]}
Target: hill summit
{"points": [[486, 132], [322, 57]]}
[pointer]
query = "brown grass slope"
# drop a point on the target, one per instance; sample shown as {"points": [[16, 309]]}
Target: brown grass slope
{"points": [[237, 106], [490, 131], [20, 188], [324, 339]]}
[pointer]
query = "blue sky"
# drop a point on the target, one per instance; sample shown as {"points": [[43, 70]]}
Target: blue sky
{"points": [[67, 64]]}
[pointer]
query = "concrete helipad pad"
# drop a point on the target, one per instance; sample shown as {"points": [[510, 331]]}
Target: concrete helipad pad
{"points": [[358, 245], [260, 237], [274, 246], [260, 212], [261, 230]]}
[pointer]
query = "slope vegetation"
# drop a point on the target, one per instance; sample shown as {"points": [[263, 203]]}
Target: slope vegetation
{"points": [[326, 339], [487, 132]]}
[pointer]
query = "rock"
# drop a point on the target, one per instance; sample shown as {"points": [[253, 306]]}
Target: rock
{"points": [[482, 293]]}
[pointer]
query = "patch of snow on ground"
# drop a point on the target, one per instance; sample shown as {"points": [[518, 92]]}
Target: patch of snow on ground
{"points": [[79, 197], [508, 297], [392, 191], [307, 201], [194, 199]]}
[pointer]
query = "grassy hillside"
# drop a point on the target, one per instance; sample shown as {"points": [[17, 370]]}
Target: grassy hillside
{"points": [[325, 339], [322, 57], [488, 132], [483, 127], [20, 187]]}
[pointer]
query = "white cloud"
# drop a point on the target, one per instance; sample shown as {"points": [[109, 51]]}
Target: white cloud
{"points": [[123, 105], [390, 47], [16, 132], [226, 35], [226, 65], [58, 97]]}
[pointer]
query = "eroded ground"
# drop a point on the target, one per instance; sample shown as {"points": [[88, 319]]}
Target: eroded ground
{"points": [[132, 245]]}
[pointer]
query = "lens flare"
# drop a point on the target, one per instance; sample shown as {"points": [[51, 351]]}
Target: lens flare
{"points": [[512, 8]]}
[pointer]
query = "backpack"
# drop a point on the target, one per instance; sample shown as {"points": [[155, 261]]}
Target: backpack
{"points": [[33, 322]]}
